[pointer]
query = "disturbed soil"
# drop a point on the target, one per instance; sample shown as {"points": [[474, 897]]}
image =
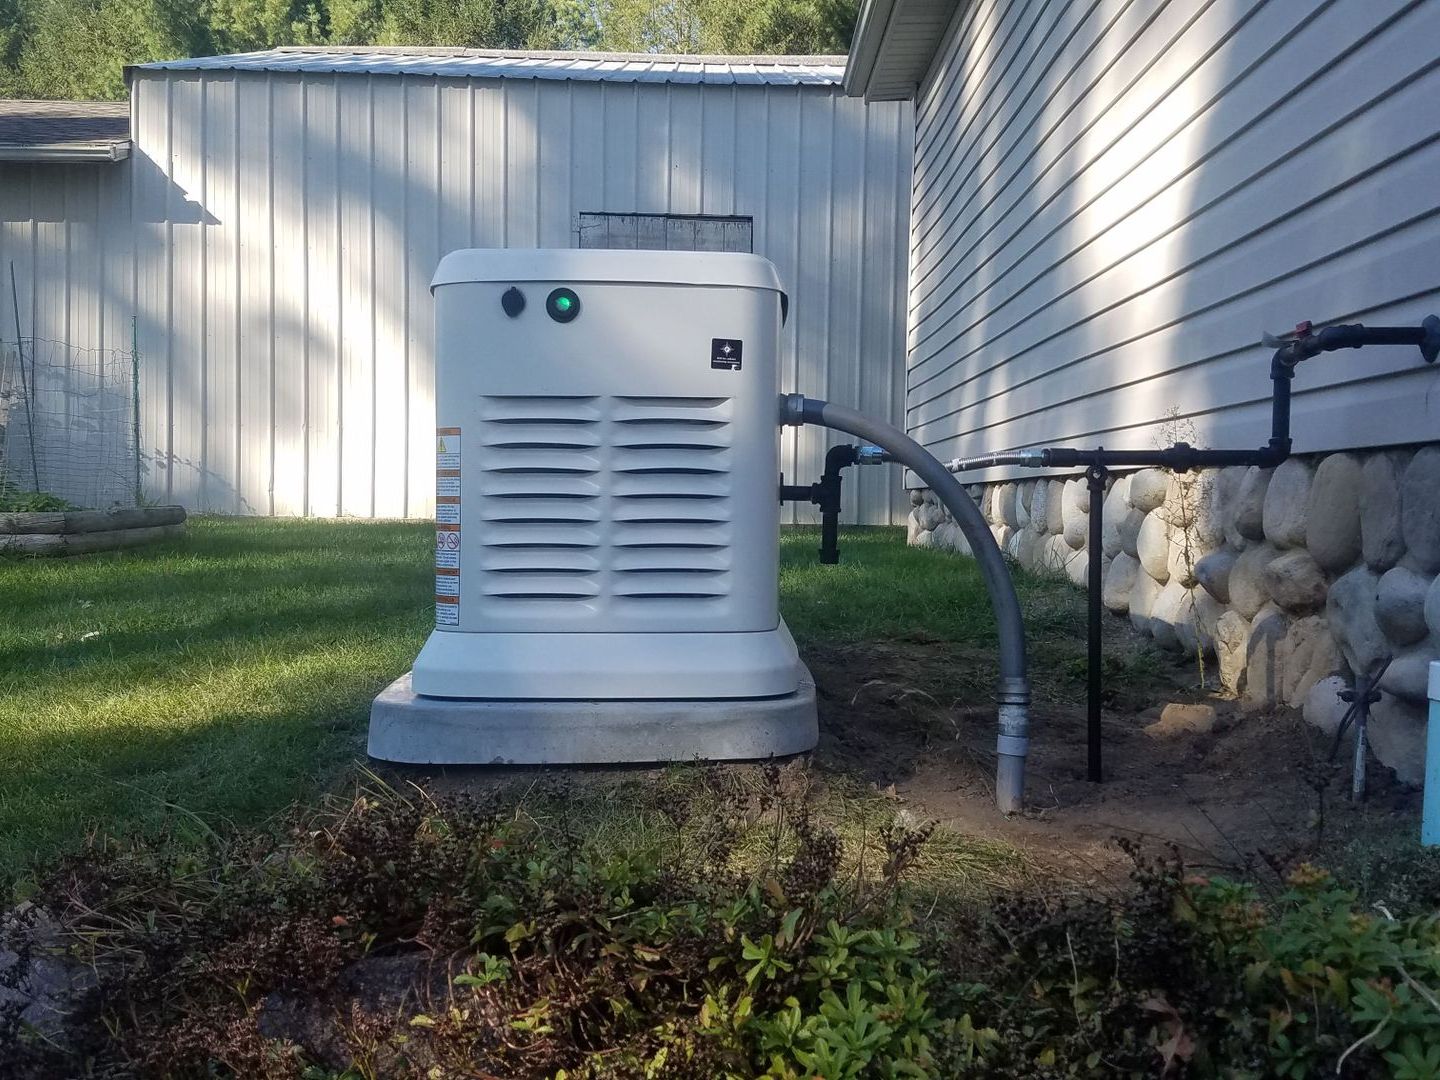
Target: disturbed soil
{"points": [[915, 721], [909, 718]]}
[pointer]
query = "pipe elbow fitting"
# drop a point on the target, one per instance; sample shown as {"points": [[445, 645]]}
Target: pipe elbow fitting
{"points": [[1273, 454]]}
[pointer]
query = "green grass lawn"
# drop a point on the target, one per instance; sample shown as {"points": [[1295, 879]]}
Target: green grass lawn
{"points": [[219, 678]]}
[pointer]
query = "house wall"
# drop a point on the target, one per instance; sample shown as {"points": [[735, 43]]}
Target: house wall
{"points": [[275, 235], [1112, 200]]}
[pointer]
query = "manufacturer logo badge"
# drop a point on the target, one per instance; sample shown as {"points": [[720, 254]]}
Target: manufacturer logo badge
{"points": [[725, 353]]}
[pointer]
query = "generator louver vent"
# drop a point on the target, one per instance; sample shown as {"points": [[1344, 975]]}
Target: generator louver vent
{"points": [[603, 505]]}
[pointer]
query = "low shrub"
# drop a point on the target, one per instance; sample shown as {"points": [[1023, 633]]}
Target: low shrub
{"points": [[14, 500], [395, 937], [1187, 975]]}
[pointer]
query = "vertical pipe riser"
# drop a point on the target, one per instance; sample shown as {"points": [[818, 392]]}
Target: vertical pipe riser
{"points": [[1095, 477], [829, 538], [1430, 822]]}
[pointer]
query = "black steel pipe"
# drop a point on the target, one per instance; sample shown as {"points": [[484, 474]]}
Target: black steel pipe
{"points": [[825, 493], [1306, 342], [1181, 457], [1282, 375], [1290, 351], [838, 457], [1095, 476]]}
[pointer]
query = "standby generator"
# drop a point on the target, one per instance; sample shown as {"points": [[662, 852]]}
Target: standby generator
{"points": [[606, 516]]}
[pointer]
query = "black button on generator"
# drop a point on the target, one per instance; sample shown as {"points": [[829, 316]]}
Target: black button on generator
{"points": [[513, 301]]}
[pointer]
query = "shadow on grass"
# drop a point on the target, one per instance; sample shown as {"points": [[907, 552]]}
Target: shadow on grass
{"points": [[191, 750], [227, 674], [228, 629], [230, 673]]}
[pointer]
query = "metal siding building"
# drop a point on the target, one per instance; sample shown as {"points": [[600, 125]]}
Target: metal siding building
{"points": [[281, 213], [1113, 199]]}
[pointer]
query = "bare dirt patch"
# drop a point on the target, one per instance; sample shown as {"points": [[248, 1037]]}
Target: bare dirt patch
{"points": [[914, 719]]}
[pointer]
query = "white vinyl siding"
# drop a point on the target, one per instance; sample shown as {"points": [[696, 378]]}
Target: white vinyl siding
{"points": [[1114, 198], [275, 233]]}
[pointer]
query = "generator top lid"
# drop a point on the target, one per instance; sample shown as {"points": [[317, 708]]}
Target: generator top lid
{"points": [[598, 265]]}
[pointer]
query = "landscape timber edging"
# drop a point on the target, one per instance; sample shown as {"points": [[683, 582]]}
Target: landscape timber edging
{"points": [[79, 532]]}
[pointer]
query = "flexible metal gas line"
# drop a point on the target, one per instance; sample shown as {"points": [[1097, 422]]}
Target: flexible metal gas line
{"points": [[1013, 694]]}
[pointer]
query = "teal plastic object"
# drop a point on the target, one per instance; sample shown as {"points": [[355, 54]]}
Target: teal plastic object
{"points": [[1430, 821]]}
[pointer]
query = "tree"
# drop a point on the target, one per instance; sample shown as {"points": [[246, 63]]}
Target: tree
{"points": [[245, 25], [493, 24], [728, 26], [78, 48]]}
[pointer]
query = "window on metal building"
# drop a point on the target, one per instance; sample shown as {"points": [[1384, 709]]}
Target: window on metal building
{"points": [[667, 232]]}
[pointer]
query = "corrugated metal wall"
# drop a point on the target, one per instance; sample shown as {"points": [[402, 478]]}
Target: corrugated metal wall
{"points": [[285, 227], [1113, 198]]}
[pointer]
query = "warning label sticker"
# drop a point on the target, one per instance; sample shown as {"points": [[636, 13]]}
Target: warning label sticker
{"points": [[447, 448], [446, 556], [447, 575], [447, 526], [447, 546]]}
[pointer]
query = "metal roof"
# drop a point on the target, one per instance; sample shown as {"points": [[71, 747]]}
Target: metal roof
{"points": [[894, 45], [64, 130], [502, 64]]}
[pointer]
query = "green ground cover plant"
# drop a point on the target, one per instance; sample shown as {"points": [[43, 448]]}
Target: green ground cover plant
{"points": [[392, 934]]}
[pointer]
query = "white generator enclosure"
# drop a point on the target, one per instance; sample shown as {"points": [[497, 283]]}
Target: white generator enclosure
{"points": [[607, 520]]}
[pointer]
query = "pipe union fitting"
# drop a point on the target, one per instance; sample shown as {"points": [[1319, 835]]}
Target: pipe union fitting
{"points": [[866, 454]]}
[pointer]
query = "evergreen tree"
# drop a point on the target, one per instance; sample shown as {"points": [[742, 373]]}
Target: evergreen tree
{"points": [[78, 48]]}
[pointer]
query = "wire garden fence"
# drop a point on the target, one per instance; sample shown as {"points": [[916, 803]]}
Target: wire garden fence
{"points": [[69, 426]]}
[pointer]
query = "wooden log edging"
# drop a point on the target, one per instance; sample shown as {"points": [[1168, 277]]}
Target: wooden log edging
{"points": [[85, 521], [80, 532]]}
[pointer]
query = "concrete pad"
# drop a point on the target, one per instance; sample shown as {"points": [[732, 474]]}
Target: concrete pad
{"points": [[408, 728]]}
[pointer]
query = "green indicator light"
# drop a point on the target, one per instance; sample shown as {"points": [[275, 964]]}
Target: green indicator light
{"points": [[562, 304]]}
